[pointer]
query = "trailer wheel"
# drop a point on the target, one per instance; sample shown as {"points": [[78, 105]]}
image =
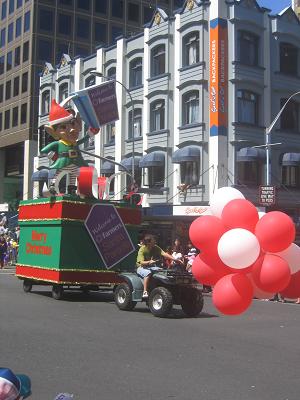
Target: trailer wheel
{"points": [[27, 285], [123, 298], [160, 302], [57, 292]]}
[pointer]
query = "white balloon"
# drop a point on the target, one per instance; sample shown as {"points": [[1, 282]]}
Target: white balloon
{"points": [[238, 248], [221, 197], [261, 214], [292, 256]]}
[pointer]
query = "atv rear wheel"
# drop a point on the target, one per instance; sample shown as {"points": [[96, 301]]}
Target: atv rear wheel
{"points": [[192, 302], [160, 302], [123, 298]]}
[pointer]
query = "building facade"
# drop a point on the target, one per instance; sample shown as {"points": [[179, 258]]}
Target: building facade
{"points": [[31, 33], [206, 82]]}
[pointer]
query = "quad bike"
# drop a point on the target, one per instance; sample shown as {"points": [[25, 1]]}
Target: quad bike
{"points": [[167, 287]]}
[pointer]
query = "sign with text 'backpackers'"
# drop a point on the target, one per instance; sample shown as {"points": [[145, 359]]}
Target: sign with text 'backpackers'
{"points": [[218, 114], [109, 234], [97, 105]]}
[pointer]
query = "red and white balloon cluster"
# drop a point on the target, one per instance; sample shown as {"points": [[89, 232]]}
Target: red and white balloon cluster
{"points": [[244, 254]]}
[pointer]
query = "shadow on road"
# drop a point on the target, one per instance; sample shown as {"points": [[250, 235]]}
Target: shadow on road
{"points": [[177, 314], [78, 296]]}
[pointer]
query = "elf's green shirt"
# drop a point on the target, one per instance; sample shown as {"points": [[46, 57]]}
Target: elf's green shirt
{"points": [[62, 148]]}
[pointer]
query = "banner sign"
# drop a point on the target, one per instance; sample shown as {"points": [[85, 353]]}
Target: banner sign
{"points": [[97, 105], [218, 114], [109, 234]]}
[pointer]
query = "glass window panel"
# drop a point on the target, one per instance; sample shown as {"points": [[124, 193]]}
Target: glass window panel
{"points": [[45, 50], [247, 107], [27, 21], [83, 4], [115, 32], [190, 172], [117, 8], [25, 51], [148, 14], [1, 93], [46, 20], [248, 47], [191, 49], [4, 10], [135, 74], [158, 60], [190, 104], [137, 123], [9, 61], [15, 116], [19, 3], [156, 176], [133, 12], [101, 6], [11, 6], [288, 59], [18, 26], [2, 37], [16, 85], [2, 60], [64, 24], [1, 122], [100, 33], [45, 102], [83, 28], [10, 32], [7, 119], [289, 119], [23, 113], [24, 82], [63, 91], [157, 116], [8, 90]]}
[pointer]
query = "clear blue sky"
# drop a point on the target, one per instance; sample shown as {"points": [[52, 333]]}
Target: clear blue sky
{"points": [[275, 5]]}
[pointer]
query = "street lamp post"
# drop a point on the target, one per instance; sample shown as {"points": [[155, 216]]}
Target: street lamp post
{"points": [[96, 73], [268, 143]]}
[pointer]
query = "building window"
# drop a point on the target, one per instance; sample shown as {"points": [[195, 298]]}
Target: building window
{"points": [[133, 12], [136, 71], [44, 50], [19, 3], [45, 102], [83, 4], [24, 82], [111, 72], [7, 119], [63, 91], [1, 121], [248, 44], [110, 133], [289, 119], [61, 48], [16, 86], [18, 27], [82, 51], [9, 61], [90, 81], [64, 24], [100, 33], [83, 28], [158, 56], [25, 51], [137, 123], [10, 32], [117, 8], [190, 108], [247, 107], [291, 176], [11, 6], [148, 14], [15, 116], [27, 21], [23, 113], [101, 6], [66, 2], [2, 37], [7, 90], [288, 59], [46, 20], [17, 56], [4, 10], [116, 31], [157, 115], [190, 172], [156, 176], [249, 173], [1, 93], [190, 49], [2, 65]]}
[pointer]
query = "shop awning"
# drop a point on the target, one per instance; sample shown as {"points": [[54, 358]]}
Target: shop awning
{"points": [[188, 153], [127, 163], [107, 168], [291, 160], [250, 154], [154, 159], [43, 175]]}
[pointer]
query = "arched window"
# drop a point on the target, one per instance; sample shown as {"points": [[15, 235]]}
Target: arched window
{"points": [[45, 102], [137, 123], [248, 46], [111, 72], [157, 115], [288, 59], [136, 70], [247, 105], [63, 91], [90, 81], [158, 57], [190, 48], [190, 107]]}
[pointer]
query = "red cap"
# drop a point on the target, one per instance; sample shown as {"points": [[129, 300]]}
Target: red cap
{"points": [[58, 114]]}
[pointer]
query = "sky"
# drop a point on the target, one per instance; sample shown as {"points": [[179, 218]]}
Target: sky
{"points": [[275, 5]]}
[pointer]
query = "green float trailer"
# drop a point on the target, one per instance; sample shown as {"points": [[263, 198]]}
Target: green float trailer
{"points": [[57, 249]]}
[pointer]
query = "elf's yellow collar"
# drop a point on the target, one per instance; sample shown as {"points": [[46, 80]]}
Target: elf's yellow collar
{"points": [[65, 142]]}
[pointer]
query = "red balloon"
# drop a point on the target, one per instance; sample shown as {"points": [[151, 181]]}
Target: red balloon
{"points": [[292, 291], [275, 231], [207, 271], [233, 294], [206, 231], [272, 275], [240, 213]]}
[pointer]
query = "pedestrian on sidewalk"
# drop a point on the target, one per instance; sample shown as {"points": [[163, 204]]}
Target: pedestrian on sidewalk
{"points": [[3, 251]]}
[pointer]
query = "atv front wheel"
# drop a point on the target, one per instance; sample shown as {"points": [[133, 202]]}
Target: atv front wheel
{"points": [[160, 302], [192, 302]]}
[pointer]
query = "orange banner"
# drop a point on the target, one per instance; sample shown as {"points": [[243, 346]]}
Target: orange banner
{"points": [[218, 112]]}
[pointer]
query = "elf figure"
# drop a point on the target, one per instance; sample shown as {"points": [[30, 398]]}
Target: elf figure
{"points": [[65, 126]]}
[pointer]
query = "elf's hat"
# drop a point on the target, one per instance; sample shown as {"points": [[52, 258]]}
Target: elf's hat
{"points": [[58, 114]]}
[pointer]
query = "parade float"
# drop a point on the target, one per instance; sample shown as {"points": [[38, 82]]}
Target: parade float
{"points": [[76, 240]]}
